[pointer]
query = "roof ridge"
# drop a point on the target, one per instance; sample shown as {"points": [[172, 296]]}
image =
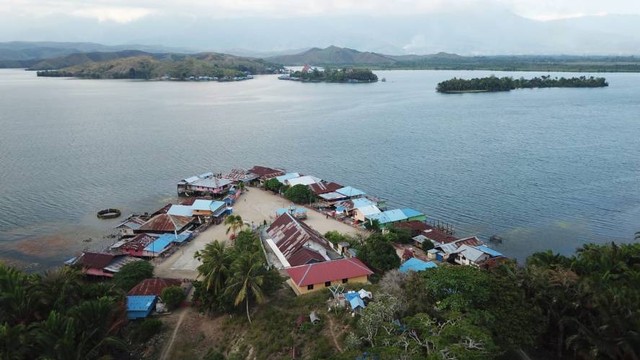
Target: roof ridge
{"points": [[305, 274], [359, 265]]}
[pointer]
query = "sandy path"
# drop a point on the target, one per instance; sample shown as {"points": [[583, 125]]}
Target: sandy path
{"points": [[255, 206], [167, 349]]}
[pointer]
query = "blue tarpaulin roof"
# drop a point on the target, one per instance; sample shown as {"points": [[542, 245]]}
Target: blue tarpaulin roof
{"points": [[409, 213], [416, 265], [354, 299], [140, 302], [350, 191], [488, 250]]}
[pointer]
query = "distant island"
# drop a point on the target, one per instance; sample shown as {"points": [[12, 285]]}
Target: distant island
{"points": [[308, 74], [493, 84], [133, 64]]}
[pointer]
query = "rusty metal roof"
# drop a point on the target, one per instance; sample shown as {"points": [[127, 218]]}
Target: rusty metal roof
{"points": [[165, 223], [153, 286], [290, 234], [265, 172]]}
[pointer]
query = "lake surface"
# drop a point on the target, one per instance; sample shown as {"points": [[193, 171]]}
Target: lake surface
{"points": [[546, 168]]}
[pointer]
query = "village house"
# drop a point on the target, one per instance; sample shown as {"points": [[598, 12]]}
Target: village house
{"points": [[265, 173], [165, 224], [416, 265], [136, 245], [295, 243], [101, 264], [127, 228], [324, 187], [388, 217], [351, 192], [205, 184], [303, 180], [318, 276]]}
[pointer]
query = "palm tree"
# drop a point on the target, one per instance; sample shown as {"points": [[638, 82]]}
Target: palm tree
{"points": [[235, 223], [215, 265], [247, 280]]}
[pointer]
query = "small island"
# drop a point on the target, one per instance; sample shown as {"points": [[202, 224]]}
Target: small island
{"points": [[493, 84], [346, 75]]}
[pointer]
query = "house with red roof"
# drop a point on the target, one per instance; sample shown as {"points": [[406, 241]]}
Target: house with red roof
{"points": [[101, 264], [265, 173], [317, 276]]}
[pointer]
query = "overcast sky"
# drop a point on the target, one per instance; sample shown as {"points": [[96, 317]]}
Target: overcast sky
{"points": [[390, 26], [123, 11]]}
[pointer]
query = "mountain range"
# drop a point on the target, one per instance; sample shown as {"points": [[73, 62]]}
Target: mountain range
{"points": [[483, 32]]}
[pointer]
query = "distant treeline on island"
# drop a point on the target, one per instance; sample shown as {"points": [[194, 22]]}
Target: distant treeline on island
{"points": [[493, 83], [332, 75]]}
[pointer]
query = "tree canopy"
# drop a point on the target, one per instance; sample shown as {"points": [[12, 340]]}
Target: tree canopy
{"points": [[132, 273], [378, 252], [300, 194], [493, 83]]}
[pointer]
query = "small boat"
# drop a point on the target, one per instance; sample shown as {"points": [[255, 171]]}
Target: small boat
{"points": [[383, 79]]}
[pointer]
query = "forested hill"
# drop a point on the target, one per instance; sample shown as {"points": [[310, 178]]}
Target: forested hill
{"points": [[143, 65], [334, 56]]}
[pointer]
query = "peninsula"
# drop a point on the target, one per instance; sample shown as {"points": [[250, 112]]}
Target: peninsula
{"points": [[493, 84]]}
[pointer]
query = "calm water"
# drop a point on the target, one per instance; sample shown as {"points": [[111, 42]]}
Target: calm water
{"points": [[549, 168]]}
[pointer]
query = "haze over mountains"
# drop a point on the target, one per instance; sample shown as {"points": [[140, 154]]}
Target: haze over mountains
{"points": [[492, 31]]}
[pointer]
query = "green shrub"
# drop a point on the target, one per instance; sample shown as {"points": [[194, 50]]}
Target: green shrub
{"points": [[173, 296], [145, 330], [132, 273]]}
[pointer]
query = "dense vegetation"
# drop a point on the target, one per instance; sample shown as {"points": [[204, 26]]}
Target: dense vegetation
{"points": [[58, 316], [300, 194], [234, 276], [336, 75], [493, 83], [583, 307], [141, 65]]}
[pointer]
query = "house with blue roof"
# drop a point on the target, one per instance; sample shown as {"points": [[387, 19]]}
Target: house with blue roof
{"points": [[140, 306], [414, 215], [417, 265], [487, 250], [388, 217], [164, 242], [350, 192]]}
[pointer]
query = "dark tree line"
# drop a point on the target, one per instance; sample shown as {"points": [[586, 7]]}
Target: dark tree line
{"points": [[493, 83], [337, 75]]}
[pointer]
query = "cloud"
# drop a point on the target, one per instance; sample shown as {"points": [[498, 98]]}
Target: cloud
{"points": [[124, 11]]}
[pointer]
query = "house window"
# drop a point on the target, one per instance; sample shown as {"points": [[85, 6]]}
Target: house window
{"points": [[327, 284], [344, 281], [310, 287]]}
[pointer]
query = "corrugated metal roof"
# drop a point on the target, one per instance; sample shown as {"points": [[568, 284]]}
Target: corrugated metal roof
{"points": [[470, 253], [487, 250], [140, 302], [165, 223], [409, 213], [332, 196], [132, 222], [163, 242], [265, 172], [201, 205], [303, 180], [213, 183], [362, 202], [290, 234], [388, 216], [322, 272], [369, 210], [119, 262], [153, 286], [350, 191], [324, 187], [180, 210], [287, 176], [95, 260], [416, 265]]}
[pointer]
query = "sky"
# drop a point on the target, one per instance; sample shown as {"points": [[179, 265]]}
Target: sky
{"points": [[123, 11], [288, 24]]}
